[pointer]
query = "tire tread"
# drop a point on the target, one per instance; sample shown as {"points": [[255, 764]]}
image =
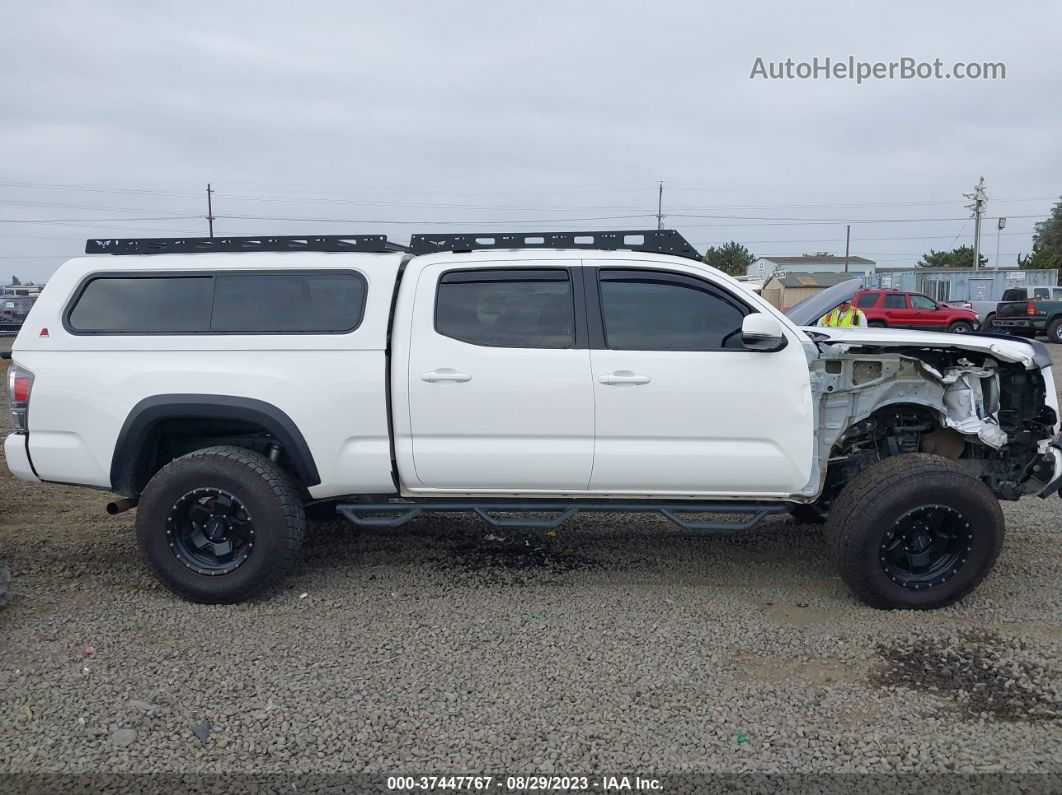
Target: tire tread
{"points": [[856, 499], [288, 500]]}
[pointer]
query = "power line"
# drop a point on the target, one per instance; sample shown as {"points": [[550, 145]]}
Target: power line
{"points": [[834, 221], [92, 220], [83, 207], [582, 208], [423, 222], [296, 198], [866, 239]]}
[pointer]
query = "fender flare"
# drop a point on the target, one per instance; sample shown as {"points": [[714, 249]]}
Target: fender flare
{"points": [[149, 412]]}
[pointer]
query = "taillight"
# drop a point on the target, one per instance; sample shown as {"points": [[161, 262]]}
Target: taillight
{"points": [[1030, 309], [19, 386]]}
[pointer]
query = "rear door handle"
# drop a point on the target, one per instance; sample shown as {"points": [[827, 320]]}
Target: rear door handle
{"points": [[445, 374], [623, 377]]}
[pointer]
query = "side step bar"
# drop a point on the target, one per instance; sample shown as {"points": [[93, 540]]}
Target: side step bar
{"points": [[396, 514]]}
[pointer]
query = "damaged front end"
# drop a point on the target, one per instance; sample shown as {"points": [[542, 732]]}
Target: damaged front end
{"points": [[990, 412]]}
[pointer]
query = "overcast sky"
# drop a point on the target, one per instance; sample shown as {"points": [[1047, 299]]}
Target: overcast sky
{"points": [[478, 116]]}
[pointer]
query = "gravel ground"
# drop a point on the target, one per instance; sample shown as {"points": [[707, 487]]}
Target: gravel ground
{"points": [[622, 645]]}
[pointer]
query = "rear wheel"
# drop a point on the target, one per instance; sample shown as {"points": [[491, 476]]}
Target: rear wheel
{"points": [[988, 321], [1054, 331], [220, 524], [875, 324], [960, 327], [914, 532]]}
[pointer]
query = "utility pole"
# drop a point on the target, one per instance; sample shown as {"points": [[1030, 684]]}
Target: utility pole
{"points": [[210, 209], [660, 207], [999, 229], [847, 240], [978, 206]]}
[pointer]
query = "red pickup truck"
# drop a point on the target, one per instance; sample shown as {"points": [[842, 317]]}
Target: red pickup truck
{"points": [[914, 311]]}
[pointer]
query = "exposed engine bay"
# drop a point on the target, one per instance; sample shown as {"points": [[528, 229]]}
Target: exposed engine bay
{"points": [[992, 416]]}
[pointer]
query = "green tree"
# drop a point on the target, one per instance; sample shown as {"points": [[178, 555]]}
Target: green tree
{"points": [[732, 258], [1047, 242], [961, 257]]}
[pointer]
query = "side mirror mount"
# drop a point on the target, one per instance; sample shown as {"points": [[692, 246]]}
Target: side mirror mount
{"points": [[762, 332]]}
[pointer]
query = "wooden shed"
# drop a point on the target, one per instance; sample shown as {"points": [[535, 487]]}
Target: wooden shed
{"points": [[790, 289]]}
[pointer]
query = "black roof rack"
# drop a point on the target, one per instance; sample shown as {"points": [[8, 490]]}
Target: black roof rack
{"points": [[658, 241], [197, 245]]}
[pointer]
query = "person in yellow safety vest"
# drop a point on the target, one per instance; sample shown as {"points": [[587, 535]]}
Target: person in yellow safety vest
{"points": [[844, 316]]}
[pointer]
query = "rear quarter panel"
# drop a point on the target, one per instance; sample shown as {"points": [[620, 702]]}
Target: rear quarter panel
{"points": [[332, 386]]}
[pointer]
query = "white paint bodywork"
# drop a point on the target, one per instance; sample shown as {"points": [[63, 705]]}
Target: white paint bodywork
{"points": [[534, 422], [542, 423], [523, 421], [17, 458], [330, 385]]}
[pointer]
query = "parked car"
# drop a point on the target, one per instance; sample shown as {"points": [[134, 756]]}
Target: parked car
{"points": [[896, 309], [222, 386], [1028, 311]]}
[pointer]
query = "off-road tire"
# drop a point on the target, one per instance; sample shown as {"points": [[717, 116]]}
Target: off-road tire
{"points": [[960, 327], [270, 498], [869, 508], [1054, 331]]}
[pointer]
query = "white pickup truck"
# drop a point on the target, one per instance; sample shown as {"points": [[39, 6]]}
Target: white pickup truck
{"points": [[222, 385]]}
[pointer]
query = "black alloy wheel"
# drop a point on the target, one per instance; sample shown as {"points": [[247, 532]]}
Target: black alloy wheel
{"points": [[210, 531], [914, 531], [926, 547], [220, 524]]}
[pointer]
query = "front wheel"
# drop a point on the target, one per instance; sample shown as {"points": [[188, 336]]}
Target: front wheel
{"points": [[988, 322], [960, 327], [220, 524], [914, 532]]}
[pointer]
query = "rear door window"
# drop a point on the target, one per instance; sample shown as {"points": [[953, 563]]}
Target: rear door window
{"points": [[894, 301]]}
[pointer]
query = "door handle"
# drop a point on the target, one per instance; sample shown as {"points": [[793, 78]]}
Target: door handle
{"points": [[445, 374], [623, 377]]}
